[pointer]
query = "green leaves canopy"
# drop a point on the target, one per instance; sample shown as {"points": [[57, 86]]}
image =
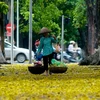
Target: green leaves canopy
{"points": [[79, 14], [3, 7], [47, 13], [44, 15]]}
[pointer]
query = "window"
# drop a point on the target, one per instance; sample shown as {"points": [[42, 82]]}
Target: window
{"points": [[7, 45]]}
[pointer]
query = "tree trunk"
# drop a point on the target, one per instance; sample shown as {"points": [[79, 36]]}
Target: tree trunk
{"points": [[94, 33], [91, 26], [2, 59], [83, 35], [98, 21], [93, 59]]}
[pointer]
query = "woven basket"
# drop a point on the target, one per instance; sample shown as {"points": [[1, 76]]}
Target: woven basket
{"points": [[36, 69], [58, 69]]}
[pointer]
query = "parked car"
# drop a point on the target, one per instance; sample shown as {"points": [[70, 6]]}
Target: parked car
{"points": [[19, 54]]}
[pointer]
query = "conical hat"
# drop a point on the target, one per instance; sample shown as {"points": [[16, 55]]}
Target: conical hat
{"points": [[44, 30]]}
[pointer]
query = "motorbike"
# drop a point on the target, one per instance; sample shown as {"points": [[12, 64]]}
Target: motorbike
{"points": [[68, 57]]}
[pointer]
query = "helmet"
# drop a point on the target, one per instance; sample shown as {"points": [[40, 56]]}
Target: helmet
{"points": [[72, 42]]}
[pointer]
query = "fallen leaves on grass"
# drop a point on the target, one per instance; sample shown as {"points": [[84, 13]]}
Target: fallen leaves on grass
{"points": [[78, 83]]}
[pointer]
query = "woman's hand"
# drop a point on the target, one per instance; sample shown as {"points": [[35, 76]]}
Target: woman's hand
{"points": [[54, 36]]}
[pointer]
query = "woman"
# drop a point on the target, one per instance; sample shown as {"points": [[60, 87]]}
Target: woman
{"points": [[46, 45]]}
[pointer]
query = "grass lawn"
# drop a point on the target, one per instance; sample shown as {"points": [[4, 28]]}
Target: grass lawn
{"points": [[77, 83]]}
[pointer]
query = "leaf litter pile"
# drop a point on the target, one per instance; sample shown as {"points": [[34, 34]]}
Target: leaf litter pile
{"points": [[77, 83]]}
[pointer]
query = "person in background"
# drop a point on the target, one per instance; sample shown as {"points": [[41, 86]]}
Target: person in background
{"points": [[37, 42], [46, 45], [76, 47], [40, 56], [71, 48], [57, 49]]}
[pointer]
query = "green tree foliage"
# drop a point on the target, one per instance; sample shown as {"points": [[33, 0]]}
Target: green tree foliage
{"points": [[70, 32], [79, 14], [3, 7], [45, 13], [48, 13]]}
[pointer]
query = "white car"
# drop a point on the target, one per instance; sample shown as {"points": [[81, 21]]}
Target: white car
{"points": [[19, 54]]}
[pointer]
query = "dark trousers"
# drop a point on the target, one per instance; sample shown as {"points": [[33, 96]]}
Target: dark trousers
{"points": [[47, 60]]}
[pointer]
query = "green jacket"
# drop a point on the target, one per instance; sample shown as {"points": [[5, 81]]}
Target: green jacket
{"points": [[46, 45]]}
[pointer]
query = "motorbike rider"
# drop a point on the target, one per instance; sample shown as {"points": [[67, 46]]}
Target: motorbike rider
{"points": [[73, 53], [72, 49]]}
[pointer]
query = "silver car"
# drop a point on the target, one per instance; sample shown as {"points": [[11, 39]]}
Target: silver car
{"points": [[19, 54]]}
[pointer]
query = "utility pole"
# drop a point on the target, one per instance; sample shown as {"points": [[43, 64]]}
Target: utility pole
{"points": [[30, 32], [62, 38], [17, 23], [12, 29]]}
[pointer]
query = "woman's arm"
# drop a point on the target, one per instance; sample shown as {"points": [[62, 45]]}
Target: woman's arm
{"points": [[53, 39]]}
